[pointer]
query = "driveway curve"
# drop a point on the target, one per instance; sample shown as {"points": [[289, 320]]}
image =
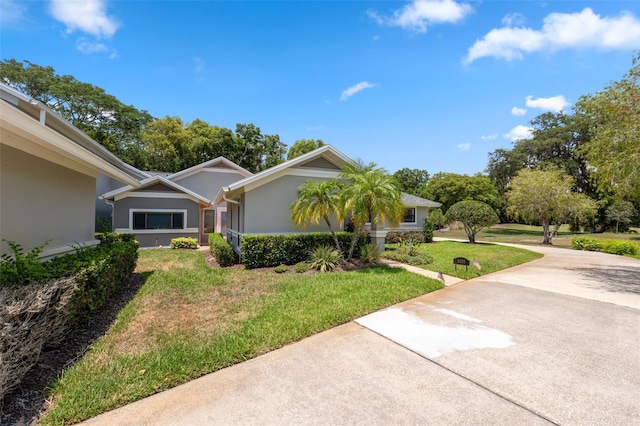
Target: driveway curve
{"points": [[554, 341]]}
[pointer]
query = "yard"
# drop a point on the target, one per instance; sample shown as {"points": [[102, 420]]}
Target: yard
{"points": [[189, 319]]}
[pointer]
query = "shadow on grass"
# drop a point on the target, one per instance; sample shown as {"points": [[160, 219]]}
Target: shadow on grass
{"points": [[23, 405], [616, 280]]}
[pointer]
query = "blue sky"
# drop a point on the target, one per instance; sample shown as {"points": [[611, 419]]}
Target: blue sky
{"points": [[429, 84]]}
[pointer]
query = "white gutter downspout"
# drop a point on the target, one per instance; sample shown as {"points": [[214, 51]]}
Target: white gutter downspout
{"points": [[224, 197]]}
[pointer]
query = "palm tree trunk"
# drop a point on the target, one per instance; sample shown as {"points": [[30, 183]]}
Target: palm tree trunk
{"points": [[354, 239], [335, 237]]}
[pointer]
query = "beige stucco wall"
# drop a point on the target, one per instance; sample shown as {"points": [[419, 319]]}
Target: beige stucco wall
{"points": [[41, 201]]}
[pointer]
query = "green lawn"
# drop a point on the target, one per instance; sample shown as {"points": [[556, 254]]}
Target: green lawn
{"points": [[532, 235], [491, 257], [188, 320]]}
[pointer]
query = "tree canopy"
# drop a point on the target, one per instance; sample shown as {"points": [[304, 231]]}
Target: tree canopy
{"points": [[546, 197], [412, 181], [450, 188], [614, 150], [474, 216], [302, 146]]}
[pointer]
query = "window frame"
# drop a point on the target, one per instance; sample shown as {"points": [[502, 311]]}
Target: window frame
{"points": [[415, 215], [133, 212]]}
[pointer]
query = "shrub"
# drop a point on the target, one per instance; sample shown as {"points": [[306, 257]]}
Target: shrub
{"points": [[72, 287], [325, 258], [31, 316], [474, 216], [407, 247], [222, 250], [620, 247], [20, 268], [584, 243], [184, 243], [281, 269], [394, 237], [263, 251], [417, 259], [301, 267], [370, 253], [427, 231]]}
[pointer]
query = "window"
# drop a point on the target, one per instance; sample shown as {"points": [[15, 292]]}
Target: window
{"points": [[410, 215], [163, 220]]}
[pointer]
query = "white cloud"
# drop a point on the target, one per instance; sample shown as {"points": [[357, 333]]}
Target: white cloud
{"points": [[489, 137], [87, 16], [554, 103], [464, 146], [355, 89], [518, 132], [90, 47], [12, 12], [518, 111], [580, 30], [513, 19], [419, 14]]}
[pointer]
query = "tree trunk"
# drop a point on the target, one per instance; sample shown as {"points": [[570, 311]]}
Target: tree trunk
{"points": [[354, 239], [335, 237], [547, 234]]}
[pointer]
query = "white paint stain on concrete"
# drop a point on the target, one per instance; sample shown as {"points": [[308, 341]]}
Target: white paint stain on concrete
{"points": [[450, 313], [434, 340]]}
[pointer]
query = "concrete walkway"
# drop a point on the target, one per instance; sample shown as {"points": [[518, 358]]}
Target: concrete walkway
{"points": [[554, 341]]}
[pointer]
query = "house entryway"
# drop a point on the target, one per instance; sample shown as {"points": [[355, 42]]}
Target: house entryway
{"points": [[212, 220]]}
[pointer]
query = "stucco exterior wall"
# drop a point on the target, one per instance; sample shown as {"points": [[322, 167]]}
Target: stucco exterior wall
{"points": [[41, 201], [151, 238], [208, 183], [104, 211], [268, 208]]}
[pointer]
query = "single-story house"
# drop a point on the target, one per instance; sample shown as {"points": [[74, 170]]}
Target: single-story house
{"points": [[261, 204], [48, 172], [163, 207]]}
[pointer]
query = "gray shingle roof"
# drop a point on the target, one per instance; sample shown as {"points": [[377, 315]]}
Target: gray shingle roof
{"points": [[412, 200]]}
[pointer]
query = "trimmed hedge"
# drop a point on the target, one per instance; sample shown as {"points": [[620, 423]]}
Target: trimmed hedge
{"points": [[619, 247], [265, 251], [221, 250], [44, 298], [184, 243]]}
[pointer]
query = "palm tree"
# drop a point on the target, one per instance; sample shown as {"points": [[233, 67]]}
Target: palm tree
{"points": [[317, 200], [370, 194]]}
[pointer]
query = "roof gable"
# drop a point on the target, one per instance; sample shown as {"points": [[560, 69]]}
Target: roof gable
{"points": [[222, 164], [322, 158], [414, 201], [155, 184]]}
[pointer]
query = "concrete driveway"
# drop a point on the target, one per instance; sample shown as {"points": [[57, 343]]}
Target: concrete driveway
{"points": [[555, 341]]}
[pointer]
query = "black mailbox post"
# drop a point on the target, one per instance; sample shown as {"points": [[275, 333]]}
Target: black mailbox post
{"points": [[461, 261]]}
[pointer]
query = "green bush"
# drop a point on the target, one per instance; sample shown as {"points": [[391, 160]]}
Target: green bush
{"points": [[370, 253], [427, 231], [261, 251], [584, 243], [222, 250], [325, 258], [394, 237], [184, 243], [416, 259], [281, 269], [301, 267], [620, 247], [20, 268]]}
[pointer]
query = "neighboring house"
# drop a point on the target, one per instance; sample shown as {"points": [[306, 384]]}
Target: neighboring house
{"points": [[176, 205], [48, 172], [261, 204]]}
